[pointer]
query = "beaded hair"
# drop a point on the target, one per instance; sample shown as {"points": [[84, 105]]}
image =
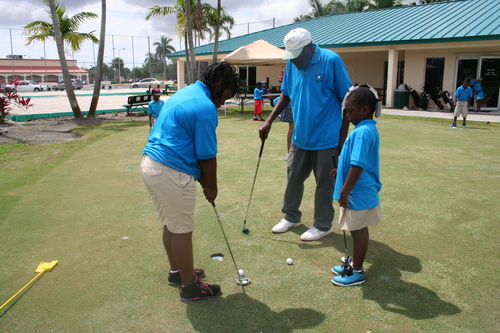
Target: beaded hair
{"points": [[366, 96]]}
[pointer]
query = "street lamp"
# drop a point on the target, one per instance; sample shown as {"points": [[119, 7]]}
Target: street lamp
{"points": [[31, 68], [119, 75]]}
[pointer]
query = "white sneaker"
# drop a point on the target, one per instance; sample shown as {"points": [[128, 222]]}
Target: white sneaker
{"points": [[314, 234], [284, 226]]}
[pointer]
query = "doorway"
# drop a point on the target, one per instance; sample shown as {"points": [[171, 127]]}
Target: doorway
{"points": [[489, 70]]}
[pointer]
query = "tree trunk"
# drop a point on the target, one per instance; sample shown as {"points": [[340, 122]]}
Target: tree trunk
{"points": [[217, 29], [189, 35], [70, 92], [100, 60]]}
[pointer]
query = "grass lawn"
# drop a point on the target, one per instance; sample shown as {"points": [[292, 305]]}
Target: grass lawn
{"points": [[432, 265]]}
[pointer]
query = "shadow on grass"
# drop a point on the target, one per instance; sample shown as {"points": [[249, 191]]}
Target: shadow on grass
{"points": [[385, 286], [241, 313], [383, 278]]}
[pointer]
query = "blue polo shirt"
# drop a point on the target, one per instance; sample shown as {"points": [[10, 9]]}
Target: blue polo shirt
{"points": [[257, 93], [185, 130], [361, 149], [316, 94], [463, 94], [154, 108]]}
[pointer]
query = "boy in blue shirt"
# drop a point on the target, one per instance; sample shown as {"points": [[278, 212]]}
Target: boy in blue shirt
{"points": [[182, 149], [461, 100], [154, 107], [257, 100], [358, 180]]}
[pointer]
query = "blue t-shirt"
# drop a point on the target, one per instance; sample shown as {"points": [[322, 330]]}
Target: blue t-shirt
{"points": [[463, 94], [185, 130], [479, 90], [154, 108], [361, 148], [257, 93], [316, 94], [471, 85]]}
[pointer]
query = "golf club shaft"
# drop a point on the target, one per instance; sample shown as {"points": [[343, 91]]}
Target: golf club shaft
{"points": [[253, 185], [225, 237], [345, 244], [490, 123]]}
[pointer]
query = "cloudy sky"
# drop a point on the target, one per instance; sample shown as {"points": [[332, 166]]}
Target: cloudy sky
{"points": [[125, 18]]}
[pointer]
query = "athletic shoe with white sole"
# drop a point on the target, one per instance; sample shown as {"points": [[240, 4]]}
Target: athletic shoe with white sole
{"points": [[284, 226], [350, 278], [198, 291], [314, 234], [454, 125], [340, 268], [175, 278]]}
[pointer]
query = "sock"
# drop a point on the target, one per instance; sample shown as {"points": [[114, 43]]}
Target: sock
{"points": [[173, 272], [360, 271]]}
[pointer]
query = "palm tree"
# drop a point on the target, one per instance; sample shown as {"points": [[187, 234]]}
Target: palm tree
{"points": [[209, 19], [100, 64], [62, 30], [334, 7], [41, 30], [163, 48]]}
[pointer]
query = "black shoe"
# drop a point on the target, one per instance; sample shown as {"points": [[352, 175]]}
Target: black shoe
{"points": [[199, 290], [175, 278]]}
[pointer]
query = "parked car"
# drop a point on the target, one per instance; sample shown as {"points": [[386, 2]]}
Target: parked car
{"points": [[29, 86], [144, 83], [77, 84], [23, 86]]}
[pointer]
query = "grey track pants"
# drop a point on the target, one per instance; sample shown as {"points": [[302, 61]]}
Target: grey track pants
{"points": [[300, 164]]}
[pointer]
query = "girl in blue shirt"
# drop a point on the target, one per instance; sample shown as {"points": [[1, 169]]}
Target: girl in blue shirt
{"points": [[358, 180]]}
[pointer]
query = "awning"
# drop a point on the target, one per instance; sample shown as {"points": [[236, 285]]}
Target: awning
{"points": [[258, 53]]}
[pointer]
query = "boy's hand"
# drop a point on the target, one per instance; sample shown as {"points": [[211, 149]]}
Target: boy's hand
{"points": [[334, 172]]}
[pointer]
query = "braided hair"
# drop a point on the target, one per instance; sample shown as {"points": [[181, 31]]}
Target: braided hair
{"points": [[221, 71], [365, 95]]}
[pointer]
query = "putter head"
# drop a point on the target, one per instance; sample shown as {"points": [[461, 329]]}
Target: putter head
{"points": [[245, 231], [243, 281]]}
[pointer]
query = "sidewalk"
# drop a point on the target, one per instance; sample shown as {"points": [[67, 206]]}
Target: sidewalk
{"points": [[55, 103]]}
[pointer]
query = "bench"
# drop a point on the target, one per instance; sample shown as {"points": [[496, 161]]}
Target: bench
{"points": [[133, 102], [165, 88]]}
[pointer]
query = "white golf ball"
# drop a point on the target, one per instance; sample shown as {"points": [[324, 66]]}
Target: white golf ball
{"points": [[289, 261], [241, 272]]}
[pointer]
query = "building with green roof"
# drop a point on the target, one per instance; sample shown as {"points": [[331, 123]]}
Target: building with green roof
{"points": [[437, 44]]}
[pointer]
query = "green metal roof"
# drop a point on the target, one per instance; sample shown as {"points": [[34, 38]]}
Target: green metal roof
{"points": [[453, 21]]}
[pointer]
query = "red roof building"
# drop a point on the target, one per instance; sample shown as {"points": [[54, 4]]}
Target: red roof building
{"points": [[39, 70]]}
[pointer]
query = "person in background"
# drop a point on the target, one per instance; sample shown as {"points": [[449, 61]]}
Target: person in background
{"points": [[287, 117], [472, 86], [154, 107], [257, 100], [479, 93], [182, 149], [461, 99]]}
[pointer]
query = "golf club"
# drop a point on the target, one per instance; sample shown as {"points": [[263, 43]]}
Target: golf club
{"points": [[490, 123], [245, 230], [241, 280], [346, 258]]}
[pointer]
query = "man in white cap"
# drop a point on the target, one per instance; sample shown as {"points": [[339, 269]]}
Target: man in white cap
{"points": [[315, 82]]}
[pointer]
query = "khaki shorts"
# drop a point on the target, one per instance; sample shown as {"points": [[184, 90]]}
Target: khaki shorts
{"points": [[173, 193], [461, 109], [358, 219]]}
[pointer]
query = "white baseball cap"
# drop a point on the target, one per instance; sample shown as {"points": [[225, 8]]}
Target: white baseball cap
{"points": [[295, 41]]}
